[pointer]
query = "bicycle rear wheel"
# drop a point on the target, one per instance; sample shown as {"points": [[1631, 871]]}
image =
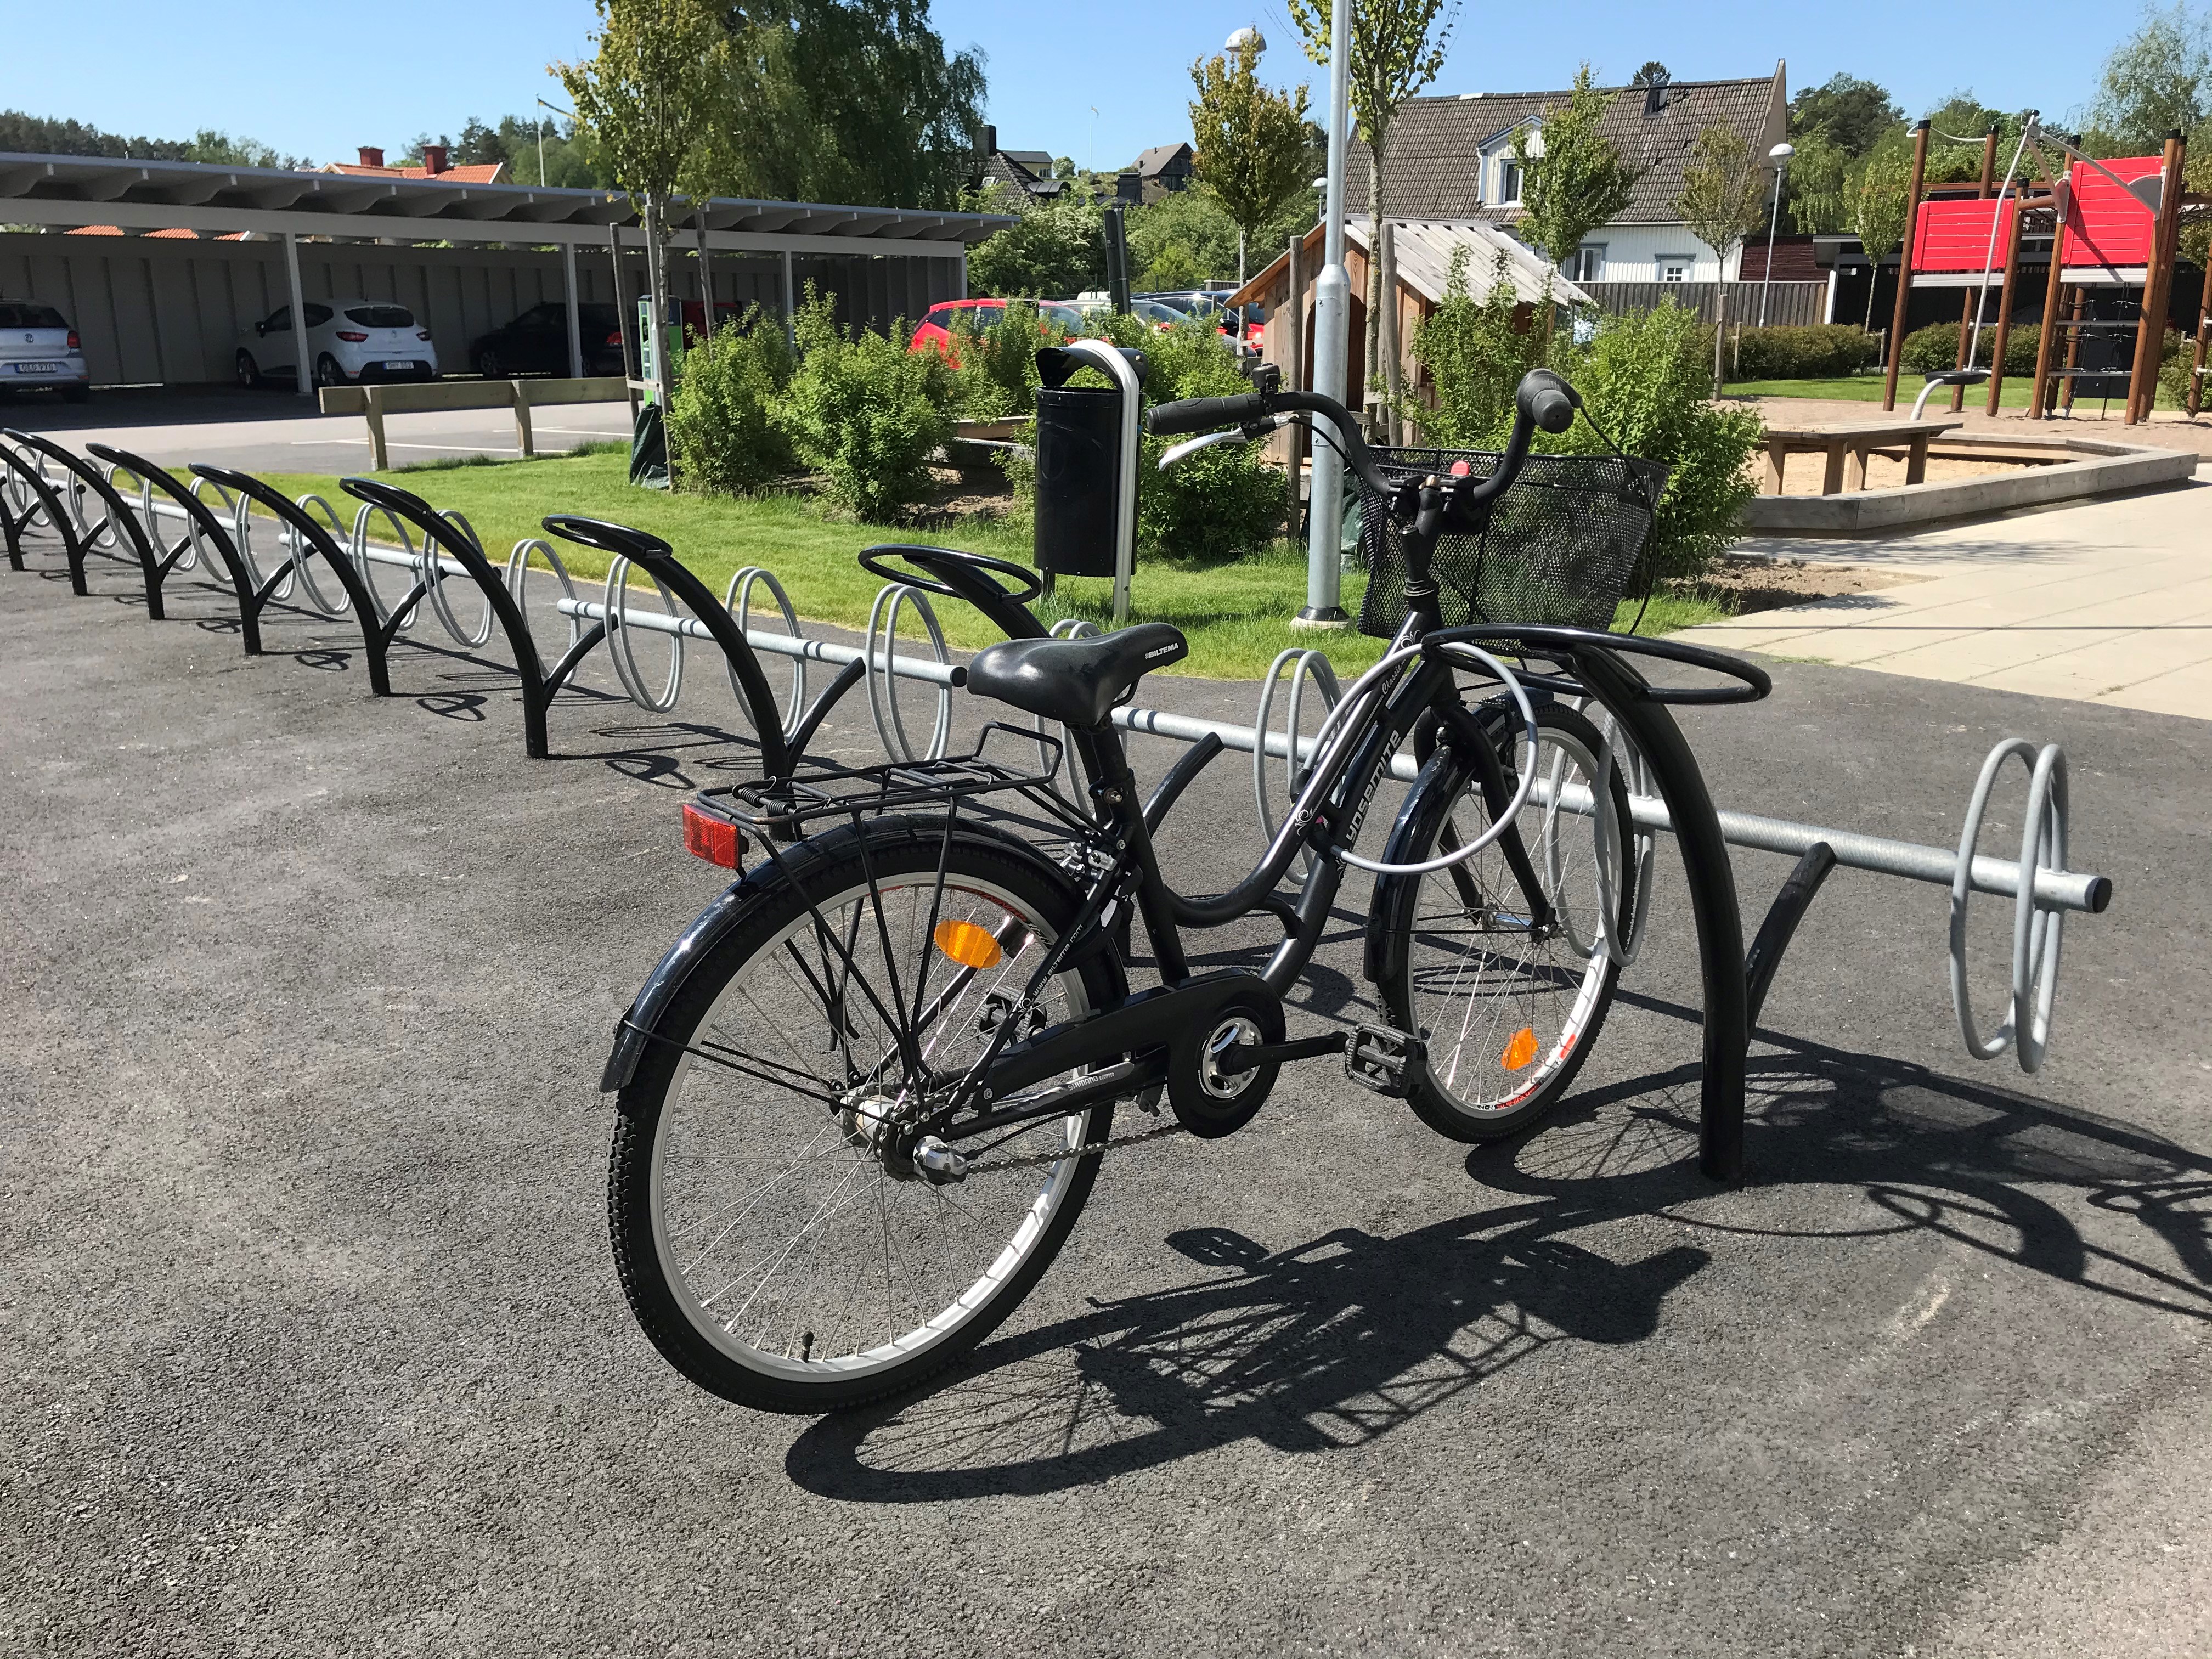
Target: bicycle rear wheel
{"points": [[1507, 1007], [772, 1244]]}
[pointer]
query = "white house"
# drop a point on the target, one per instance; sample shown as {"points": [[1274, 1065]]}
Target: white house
{"points": [[1451, 158]]}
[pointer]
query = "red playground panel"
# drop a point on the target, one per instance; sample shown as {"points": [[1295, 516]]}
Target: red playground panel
{"points": [[1954, 234], [2107, 225]]}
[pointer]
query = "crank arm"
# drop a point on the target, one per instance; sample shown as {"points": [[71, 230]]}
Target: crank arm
{"points": [[1242, 1059]]}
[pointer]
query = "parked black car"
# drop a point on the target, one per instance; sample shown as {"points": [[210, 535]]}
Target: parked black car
{"points": [[537, 343]]}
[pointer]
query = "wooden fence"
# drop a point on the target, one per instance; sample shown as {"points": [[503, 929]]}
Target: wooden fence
{"points": [[1788, 304]]}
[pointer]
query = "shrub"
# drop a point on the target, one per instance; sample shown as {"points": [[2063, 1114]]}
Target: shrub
{"points": [[1052, 249], [722, 432], [1647, 380], [865, 411], [1223, 503], [992, 373], [1935, 349], [1819, 352]]}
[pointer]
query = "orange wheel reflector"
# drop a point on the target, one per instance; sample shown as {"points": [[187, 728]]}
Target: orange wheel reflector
{"points": [[968, 944], [1521, 1050]]}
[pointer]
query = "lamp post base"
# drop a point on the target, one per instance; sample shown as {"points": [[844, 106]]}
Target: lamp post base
{"points": [[1334, 617]]}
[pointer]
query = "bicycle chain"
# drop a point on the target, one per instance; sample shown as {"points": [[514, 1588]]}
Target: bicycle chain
{"points": [[1039, 1160]]}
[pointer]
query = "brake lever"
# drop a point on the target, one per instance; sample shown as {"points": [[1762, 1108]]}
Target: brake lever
{"points": [[1243, 435]]}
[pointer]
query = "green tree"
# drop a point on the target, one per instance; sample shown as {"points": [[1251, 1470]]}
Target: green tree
{"points": [[1572, 178], [1817, 192], [2156, 80], [653, 96], [1397, 47], [1054, 249], [850, 101], [1653, 74], [1723, 200], [1250, 149], [1877, 204], [1849, 113], [1191, 220]]}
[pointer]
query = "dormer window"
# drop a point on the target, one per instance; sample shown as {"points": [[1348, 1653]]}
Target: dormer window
{"points": [[1508, 183]]}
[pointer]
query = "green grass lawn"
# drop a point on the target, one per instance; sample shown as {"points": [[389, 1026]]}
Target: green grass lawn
{"points": [[1866, 388], [1235, 615]]}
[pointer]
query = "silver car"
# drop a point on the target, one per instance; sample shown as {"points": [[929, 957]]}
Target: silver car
{"points": [[38, 349]]}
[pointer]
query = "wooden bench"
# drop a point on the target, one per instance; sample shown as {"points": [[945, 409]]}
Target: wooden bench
{"points": [[1855, 442]]}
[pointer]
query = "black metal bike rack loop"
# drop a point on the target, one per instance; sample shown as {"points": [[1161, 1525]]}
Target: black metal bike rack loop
{"points": [[1598, 661], [658, 560], [120, 519], [45, 504], [538, 683], [166, 556], [375, 637]]}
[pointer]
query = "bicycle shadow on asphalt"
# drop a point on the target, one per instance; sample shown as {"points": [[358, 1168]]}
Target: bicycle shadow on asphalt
{"points": [[1333, 1343]]}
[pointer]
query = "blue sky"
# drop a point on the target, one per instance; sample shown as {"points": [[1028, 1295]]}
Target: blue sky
{"points": [[428, 67]]}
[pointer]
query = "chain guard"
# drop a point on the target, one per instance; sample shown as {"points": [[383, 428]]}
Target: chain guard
{"points": [[1209, 1105]]}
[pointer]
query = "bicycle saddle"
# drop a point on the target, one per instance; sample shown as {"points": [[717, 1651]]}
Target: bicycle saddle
{"points": [[1075, 682]]}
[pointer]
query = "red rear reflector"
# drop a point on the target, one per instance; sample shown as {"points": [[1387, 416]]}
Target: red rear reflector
{"points": [[716, 839]]}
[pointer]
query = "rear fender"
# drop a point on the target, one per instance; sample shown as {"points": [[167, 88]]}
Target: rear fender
{"points": [[729, 907]]}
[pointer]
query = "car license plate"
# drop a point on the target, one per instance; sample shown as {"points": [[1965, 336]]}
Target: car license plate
{"points": [[400, 362], [37, 368]]}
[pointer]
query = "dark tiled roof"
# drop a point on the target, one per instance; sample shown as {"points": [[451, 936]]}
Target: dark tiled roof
{"points": [[1160, 155], [1436, 144], [1038, 161]]}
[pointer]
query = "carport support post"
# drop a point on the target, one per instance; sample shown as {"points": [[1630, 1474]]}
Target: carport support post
{"points": [[575, 312], [523, 437], [622, 319], [303, 374], [790, 303], [1905, 265], [2004, 308]]}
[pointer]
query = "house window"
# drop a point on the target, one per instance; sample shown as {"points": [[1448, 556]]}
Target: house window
{"points": [[1508, 183], [1674, 267], [1588, 265]]}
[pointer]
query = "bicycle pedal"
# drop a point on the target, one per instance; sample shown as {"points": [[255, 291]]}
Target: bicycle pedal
{"points": [[1385, 1059]]}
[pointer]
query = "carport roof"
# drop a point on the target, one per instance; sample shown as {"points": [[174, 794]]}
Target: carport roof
{"points": [[80, 189]]}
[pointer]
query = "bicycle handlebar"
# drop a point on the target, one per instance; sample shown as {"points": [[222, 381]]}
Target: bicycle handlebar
{"points": [[1541, 400]]}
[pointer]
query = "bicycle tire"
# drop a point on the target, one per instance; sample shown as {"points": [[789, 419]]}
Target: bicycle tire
{"points": [[887, 863], [1440, 804]]}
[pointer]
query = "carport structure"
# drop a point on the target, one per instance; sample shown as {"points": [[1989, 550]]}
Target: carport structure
{"points": [[466, 257]]}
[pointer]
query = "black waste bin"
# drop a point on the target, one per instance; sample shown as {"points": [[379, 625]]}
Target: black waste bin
{"points": [[1079, 474]]}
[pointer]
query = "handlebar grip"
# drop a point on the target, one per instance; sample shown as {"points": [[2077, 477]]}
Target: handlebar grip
{"points": [[1204, 414], [1546, 400]]}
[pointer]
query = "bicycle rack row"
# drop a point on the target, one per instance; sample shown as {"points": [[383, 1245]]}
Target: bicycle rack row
{"points": [[42, 484]]}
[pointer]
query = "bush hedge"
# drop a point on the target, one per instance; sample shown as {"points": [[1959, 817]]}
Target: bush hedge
{"points": [[1935, 349], [724, 436], [1822, 351], [865, 411]]}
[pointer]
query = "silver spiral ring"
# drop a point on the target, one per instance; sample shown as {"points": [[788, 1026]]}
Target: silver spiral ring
{"points": [[301, 560], [1306, 666], [882, 617], [618, 648], [435, 577], [518, 584], [738, 599], [2036, 930]]}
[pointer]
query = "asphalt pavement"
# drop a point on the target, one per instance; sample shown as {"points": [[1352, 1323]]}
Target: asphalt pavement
{"points": [[315, 1346], [275, 430]]}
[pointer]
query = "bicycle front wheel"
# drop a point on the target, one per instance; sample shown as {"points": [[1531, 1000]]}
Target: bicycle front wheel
{"points": [[1509, 1003], [772, 1244]]}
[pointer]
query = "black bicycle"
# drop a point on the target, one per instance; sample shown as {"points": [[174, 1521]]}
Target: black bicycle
{"points": [[862, 1099]]}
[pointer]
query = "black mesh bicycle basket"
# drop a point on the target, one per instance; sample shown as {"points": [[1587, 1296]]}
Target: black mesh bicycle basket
{"points": [[1562, 546]]}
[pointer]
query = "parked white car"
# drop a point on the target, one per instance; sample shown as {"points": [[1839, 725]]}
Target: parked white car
{"points": [[348, 341], [38, 348]]}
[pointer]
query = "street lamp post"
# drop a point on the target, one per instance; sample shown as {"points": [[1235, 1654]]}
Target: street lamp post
{"points": [[1779, 155], [1332, 340]]}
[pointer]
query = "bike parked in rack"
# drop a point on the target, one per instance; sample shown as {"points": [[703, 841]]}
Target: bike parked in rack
{"points": [[863, 1098]]}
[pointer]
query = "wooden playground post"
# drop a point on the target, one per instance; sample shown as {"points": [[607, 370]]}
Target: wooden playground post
{"points": [[2197, 367], [2038, 401], [1905, 264], [2004, 305], [2074, 341], [2158, 287], [1969, 306]]}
